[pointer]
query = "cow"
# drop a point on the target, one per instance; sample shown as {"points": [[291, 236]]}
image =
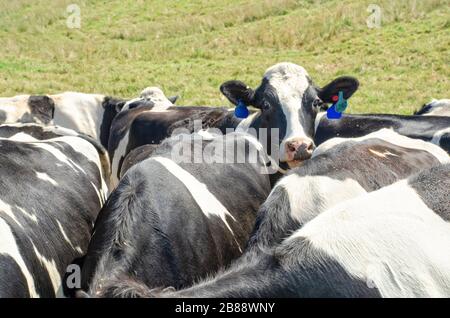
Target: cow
{"points": [[286, 100], [89, 114], [52, 188], [437, 107], [170, 222], [392, 242], [435, 129]]}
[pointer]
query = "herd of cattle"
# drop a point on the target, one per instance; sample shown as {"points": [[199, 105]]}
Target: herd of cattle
{"points": [[356, 207]]}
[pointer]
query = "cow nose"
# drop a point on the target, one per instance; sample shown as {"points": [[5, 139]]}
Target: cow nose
{"points": [[299, 149]]}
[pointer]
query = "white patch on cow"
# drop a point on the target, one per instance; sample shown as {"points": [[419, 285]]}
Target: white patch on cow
{"points": [[207, 202], [205, 134], [8, 246], [46, 177], [389, 238], [438, 135], [30, 216], [66, 238], [290, 82], [384, 154], [23, 137], [439, 107], [15, 107], [80, 112], [7, 209], [119, 153], [244, 125], [102, 195], [390, 136], [57, 153], [311, 195], [317, 120], [52, 270]]}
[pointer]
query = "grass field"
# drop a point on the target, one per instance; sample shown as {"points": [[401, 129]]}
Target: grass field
{"points": [[191, 47]]}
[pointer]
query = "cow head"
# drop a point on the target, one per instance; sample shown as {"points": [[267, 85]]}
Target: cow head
{"points": [[289, 101], [151, 96]]}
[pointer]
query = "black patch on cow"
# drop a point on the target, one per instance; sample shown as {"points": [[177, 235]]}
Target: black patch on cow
{"points": [[294, 269], [426, 108], [42, 107], [433, 187], [351, 126], [3, 116], [444, 142], [347, 84], [135, 156], [12, 288], [111, 107]]}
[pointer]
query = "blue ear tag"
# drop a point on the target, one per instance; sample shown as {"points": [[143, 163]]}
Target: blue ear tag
{"points": [[241, 110], [339, 106]]}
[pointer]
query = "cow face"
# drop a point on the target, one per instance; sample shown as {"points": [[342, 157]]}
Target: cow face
{"points": [[289, 101]]}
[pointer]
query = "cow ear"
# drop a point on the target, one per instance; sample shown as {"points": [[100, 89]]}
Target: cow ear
{"points": [[112, 103], [43, 107], [237, 90], [347, 84], [173, 99]]}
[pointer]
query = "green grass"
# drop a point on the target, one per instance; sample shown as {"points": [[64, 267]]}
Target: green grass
{"points": [[191, 47]]}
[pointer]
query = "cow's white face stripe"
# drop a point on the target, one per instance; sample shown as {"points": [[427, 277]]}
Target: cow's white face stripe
{"points": [[388, 238], [304, 206], [207, 202], [390, 136], [8, 246], [290, 82]]}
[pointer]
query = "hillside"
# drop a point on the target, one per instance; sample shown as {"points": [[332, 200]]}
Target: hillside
{"points": [[191, 47]]}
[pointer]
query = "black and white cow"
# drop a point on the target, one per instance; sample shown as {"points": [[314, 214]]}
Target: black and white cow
{"points": [[437, 107], [286, 100], [392, 242], [51, 190], [435, 129], [169, 223], [89, 114]]}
